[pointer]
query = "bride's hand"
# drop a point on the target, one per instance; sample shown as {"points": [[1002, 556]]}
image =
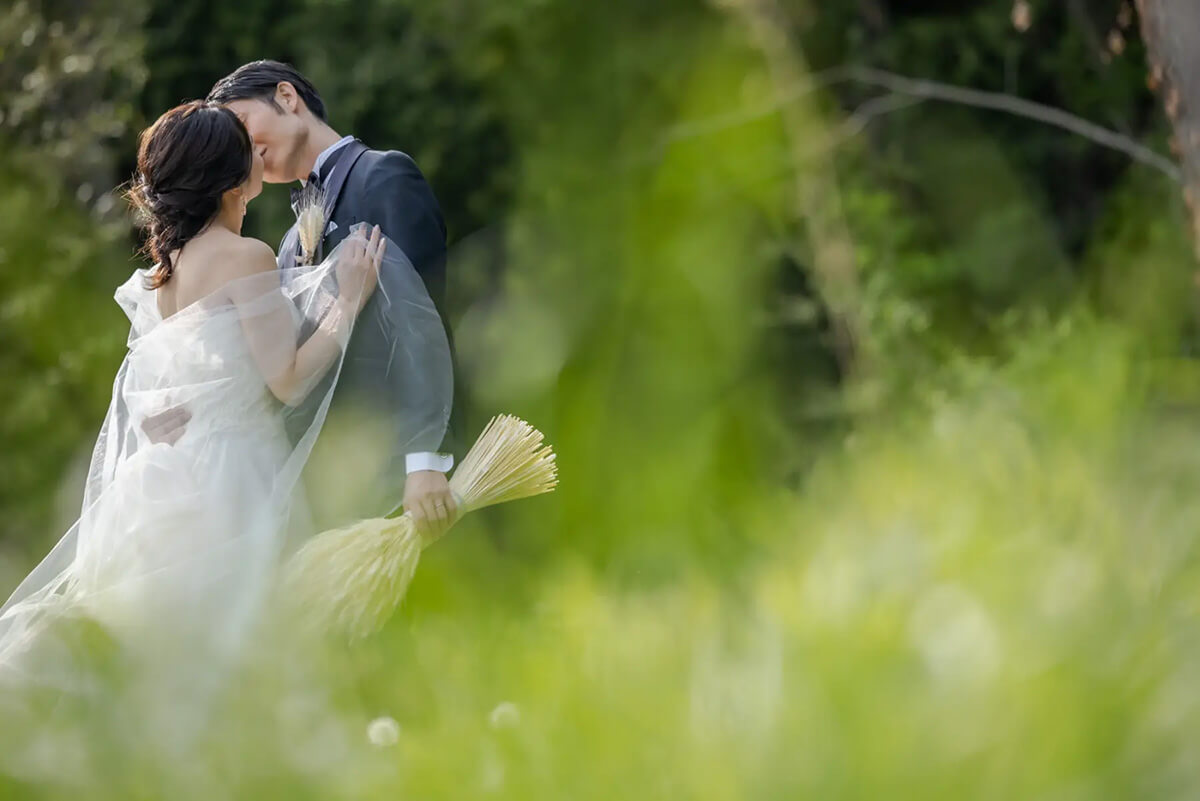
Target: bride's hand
{"points": [[357, 267]]}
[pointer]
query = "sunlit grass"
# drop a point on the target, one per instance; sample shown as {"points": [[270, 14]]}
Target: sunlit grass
{"points": [[996, 597]]}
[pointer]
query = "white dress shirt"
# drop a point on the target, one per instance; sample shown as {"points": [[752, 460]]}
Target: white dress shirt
{"points": [[423, 460]]}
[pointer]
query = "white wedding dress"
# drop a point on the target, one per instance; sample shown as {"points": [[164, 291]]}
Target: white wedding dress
{"points": [[178, 542]]}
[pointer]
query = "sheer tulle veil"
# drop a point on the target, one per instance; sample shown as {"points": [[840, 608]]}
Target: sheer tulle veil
{"points": [[177, 542]]}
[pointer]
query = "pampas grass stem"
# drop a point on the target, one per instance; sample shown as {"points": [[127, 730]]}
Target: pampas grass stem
{"points": [[350, 580]]}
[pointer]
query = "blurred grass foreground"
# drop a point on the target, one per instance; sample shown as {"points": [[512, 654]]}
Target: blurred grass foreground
{"points": [[878, 442]]}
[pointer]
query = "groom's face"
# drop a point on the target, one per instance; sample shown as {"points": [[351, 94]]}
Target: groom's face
{"points": [[279, 135]]}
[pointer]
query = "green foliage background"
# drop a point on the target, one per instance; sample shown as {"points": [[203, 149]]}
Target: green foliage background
{"points": [[961, 566]]}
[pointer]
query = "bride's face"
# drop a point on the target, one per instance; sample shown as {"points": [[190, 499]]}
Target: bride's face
{"points": [[253, 185]]}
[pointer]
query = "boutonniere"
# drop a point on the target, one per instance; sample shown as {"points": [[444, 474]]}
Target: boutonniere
{"points": [[310, 221]]}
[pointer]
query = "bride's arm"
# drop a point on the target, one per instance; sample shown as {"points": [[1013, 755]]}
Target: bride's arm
{"points": [[269, 324]]}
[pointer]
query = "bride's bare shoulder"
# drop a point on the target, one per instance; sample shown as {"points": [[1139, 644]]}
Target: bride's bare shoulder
{"points": [[253, 255], [245, 256]]}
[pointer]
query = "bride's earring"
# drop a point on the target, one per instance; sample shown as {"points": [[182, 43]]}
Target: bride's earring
{"points": [[244, 202]]}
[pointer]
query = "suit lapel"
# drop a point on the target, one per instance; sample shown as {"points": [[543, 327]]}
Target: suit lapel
{"points": [[288, 249], [346, 159]]}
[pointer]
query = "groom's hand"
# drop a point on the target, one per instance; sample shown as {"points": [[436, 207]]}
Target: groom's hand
{"points": [[428, 498]]}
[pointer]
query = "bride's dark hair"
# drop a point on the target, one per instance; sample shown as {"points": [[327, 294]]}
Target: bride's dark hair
{"points": [[187, 160]]}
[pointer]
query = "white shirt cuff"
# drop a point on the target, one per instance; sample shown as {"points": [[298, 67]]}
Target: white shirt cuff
{"points": [[441, 462]]}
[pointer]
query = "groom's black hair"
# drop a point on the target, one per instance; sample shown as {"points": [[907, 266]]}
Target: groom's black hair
{"points": [[257, 81]]}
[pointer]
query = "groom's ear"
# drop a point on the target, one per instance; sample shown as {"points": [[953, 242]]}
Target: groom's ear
{"points": [[287, 98]]}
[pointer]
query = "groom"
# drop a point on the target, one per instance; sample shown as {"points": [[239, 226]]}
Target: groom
{"points": [[286, 119]]}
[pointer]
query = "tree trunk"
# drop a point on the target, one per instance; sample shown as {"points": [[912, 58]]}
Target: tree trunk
{"points": [[816, 187], [1171, 30]]}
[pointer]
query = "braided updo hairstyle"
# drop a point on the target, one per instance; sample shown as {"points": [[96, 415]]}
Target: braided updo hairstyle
{"points": [[187, 160]]}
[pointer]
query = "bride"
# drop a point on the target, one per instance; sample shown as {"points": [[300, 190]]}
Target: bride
{"points": [[175, 548]]}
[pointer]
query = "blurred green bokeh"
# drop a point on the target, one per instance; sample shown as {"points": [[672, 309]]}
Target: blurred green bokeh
{"points": [[956, 561]]}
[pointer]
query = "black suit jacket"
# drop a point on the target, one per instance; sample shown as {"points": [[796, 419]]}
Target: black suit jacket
{"points": [[386, 188], [383, 188]]}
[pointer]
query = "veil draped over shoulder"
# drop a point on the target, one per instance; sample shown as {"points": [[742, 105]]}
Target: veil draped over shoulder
{"points": [[178, 539]]}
